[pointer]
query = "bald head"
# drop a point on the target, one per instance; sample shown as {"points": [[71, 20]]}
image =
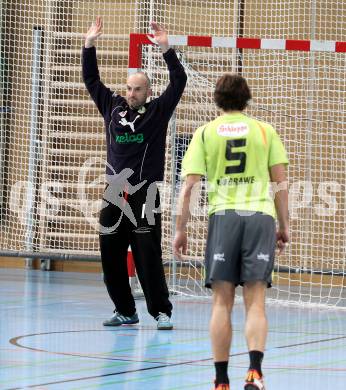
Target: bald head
{"points": [[140, 76], [138, 89]]}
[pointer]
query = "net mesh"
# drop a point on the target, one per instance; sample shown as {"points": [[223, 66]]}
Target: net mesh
{"points": [[52, 145]]}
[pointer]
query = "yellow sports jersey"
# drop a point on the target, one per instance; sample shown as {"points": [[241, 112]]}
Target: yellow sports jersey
{"points": [[235, 153]]}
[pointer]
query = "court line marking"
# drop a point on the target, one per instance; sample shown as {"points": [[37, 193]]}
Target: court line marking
{"points": [[14, 341]]}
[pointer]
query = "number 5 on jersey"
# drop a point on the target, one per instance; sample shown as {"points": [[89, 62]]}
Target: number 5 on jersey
{"points": [[232, 155]]}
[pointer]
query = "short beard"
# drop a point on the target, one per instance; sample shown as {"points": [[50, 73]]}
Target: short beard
{"points": [[137, 107]]}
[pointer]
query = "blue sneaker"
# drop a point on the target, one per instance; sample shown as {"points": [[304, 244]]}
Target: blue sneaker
{"points": [[118, 319], [163, 322]]}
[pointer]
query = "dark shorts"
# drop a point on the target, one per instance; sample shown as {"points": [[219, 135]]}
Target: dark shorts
{"points": [[240, 247]]}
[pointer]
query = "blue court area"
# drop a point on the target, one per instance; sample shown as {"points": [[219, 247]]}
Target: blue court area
{"points": [[52, 338]]}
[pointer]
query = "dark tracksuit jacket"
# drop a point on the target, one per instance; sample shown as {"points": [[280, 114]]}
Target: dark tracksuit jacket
{"points": [[135, 140]]}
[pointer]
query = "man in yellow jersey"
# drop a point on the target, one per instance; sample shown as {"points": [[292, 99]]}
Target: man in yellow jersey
{"points": [[242, 159]]}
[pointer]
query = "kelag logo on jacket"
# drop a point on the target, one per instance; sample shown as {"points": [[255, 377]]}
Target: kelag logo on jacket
{"points": [[129, 138]]}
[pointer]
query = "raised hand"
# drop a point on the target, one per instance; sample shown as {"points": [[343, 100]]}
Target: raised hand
{"points": [[93, 33], [160, 35]]}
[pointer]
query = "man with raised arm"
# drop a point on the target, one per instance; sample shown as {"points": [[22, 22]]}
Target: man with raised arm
{"points": [[135, 137], [240, 156]]}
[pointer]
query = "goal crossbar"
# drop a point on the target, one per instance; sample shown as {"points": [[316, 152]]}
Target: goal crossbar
{"points": [[138, 40]]}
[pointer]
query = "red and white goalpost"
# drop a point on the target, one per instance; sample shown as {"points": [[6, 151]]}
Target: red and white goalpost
{"points": [[288, 78]]}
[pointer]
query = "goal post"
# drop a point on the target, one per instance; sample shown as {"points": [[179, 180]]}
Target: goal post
{"points": [[288, 78]]}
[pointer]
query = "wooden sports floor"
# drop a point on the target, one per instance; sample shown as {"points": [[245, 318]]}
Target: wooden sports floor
{"points": [[51, 337]]}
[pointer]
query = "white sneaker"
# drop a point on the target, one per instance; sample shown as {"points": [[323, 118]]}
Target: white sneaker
{"points": [[164, 322]]}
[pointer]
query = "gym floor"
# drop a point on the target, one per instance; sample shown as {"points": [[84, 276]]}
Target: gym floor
{"points": [[52, 338]]}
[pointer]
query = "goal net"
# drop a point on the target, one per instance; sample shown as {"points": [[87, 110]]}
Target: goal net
{"points": [[292, 97], [52, 145]]}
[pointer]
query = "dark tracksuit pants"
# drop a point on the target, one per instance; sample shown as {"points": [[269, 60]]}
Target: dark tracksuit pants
{"points": [[145, 242]]}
